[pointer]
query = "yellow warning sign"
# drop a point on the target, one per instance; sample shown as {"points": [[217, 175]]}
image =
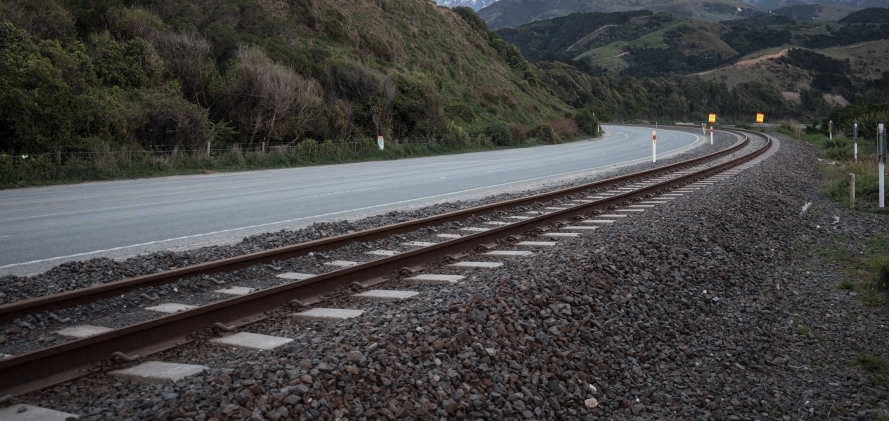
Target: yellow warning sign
{"points": [[712, 118], [760, 117]]}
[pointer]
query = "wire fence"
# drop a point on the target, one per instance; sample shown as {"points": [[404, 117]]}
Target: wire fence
{"points": [[308, 151]]}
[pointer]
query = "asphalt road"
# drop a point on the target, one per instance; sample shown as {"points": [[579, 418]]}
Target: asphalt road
{"points": [[46, 226]]}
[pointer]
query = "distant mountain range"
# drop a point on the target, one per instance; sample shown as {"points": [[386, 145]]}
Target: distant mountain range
{"points": [[513, 13], [474, 4], [856, 4]]}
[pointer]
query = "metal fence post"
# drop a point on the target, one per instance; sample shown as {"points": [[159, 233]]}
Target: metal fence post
{"points": [[855, 137]]}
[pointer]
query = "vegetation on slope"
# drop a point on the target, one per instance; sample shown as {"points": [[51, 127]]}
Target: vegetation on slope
{"points": [[77, 76], [662, 99]]}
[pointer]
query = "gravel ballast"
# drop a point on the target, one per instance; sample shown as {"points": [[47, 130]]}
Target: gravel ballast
{"points": [[713, 306]]}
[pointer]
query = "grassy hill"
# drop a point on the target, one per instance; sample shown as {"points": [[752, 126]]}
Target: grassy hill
{"points": [[640, 65], [855, 4], [514, 13], [166, 75], [643, 44], [814, 12]]}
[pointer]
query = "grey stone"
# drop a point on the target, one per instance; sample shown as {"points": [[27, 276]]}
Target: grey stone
{"points": [[235, 291], [83, 331], [159, 372], [384, 294], [170, 308], [252, 340], [296, 276], [33, 413], [434, 279], [328, 314]]}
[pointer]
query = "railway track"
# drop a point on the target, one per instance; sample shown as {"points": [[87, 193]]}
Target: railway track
{"points": [[44, 367]]}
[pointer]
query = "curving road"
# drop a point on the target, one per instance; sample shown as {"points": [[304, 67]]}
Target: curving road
{"points": [[46, 226]]}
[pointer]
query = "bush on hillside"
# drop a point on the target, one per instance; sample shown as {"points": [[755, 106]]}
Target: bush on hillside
{"points": [[545, 133], [499, 134], [587, 122], [519, 133], [566, 128]]}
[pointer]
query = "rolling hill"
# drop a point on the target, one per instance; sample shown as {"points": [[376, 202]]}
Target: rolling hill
{"points": [[645, 44], [513, 13], [854, 4], [814, 12]]}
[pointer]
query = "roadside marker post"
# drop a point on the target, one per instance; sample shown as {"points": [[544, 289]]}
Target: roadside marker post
{"points": [[852, 191], [855, 137], [711, 135], [881, 141], [654, 146], [830, 129]]}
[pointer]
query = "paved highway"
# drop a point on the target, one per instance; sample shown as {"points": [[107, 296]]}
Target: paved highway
{"points": [[46, 226]]}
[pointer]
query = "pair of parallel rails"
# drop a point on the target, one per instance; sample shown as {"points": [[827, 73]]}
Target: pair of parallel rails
{"points": [[42, 368]]}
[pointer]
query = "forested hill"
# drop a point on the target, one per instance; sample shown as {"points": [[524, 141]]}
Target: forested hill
{"points": [[158, 74]]}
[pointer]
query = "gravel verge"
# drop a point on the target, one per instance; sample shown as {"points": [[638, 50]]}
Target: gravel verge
{"points": [[690, 311]]}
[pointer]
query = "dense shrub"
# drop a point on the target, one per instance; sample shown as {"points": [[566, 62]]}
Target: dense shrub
{"points": [[545, 133], [566, 128], [307, 149], [519, 133], [499, 134], [587, 122]]}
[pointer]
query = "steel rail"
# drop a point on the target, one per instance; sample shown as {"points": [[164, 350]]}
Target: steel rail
{"points": [[10, 312], [42, 368]]}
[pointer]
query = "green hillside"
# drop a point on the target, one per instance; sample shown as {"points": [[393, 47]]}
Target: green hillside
{"points": [[658, 67], [641, 44], [814, 12], [163, 75]]}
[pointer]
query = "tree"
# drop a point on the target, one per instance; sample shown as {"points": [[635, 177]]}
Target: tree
{"points": [[268, 99], [188, 55]]}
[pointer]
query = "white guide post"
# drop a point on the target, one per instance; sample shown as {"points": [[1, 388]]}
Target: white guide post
{"points": [[830, 129], [881, 140], [654, 146], [711, 135]]}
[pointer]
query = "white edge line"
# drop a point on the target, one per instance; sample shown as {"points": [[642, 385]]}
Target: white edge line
{"points": [[70, 256]]}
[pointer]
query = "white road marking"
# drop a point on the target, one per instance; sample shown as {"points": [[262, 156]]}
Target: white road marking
{"points": [[186, 237], [699, 138], [206, 198]]}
